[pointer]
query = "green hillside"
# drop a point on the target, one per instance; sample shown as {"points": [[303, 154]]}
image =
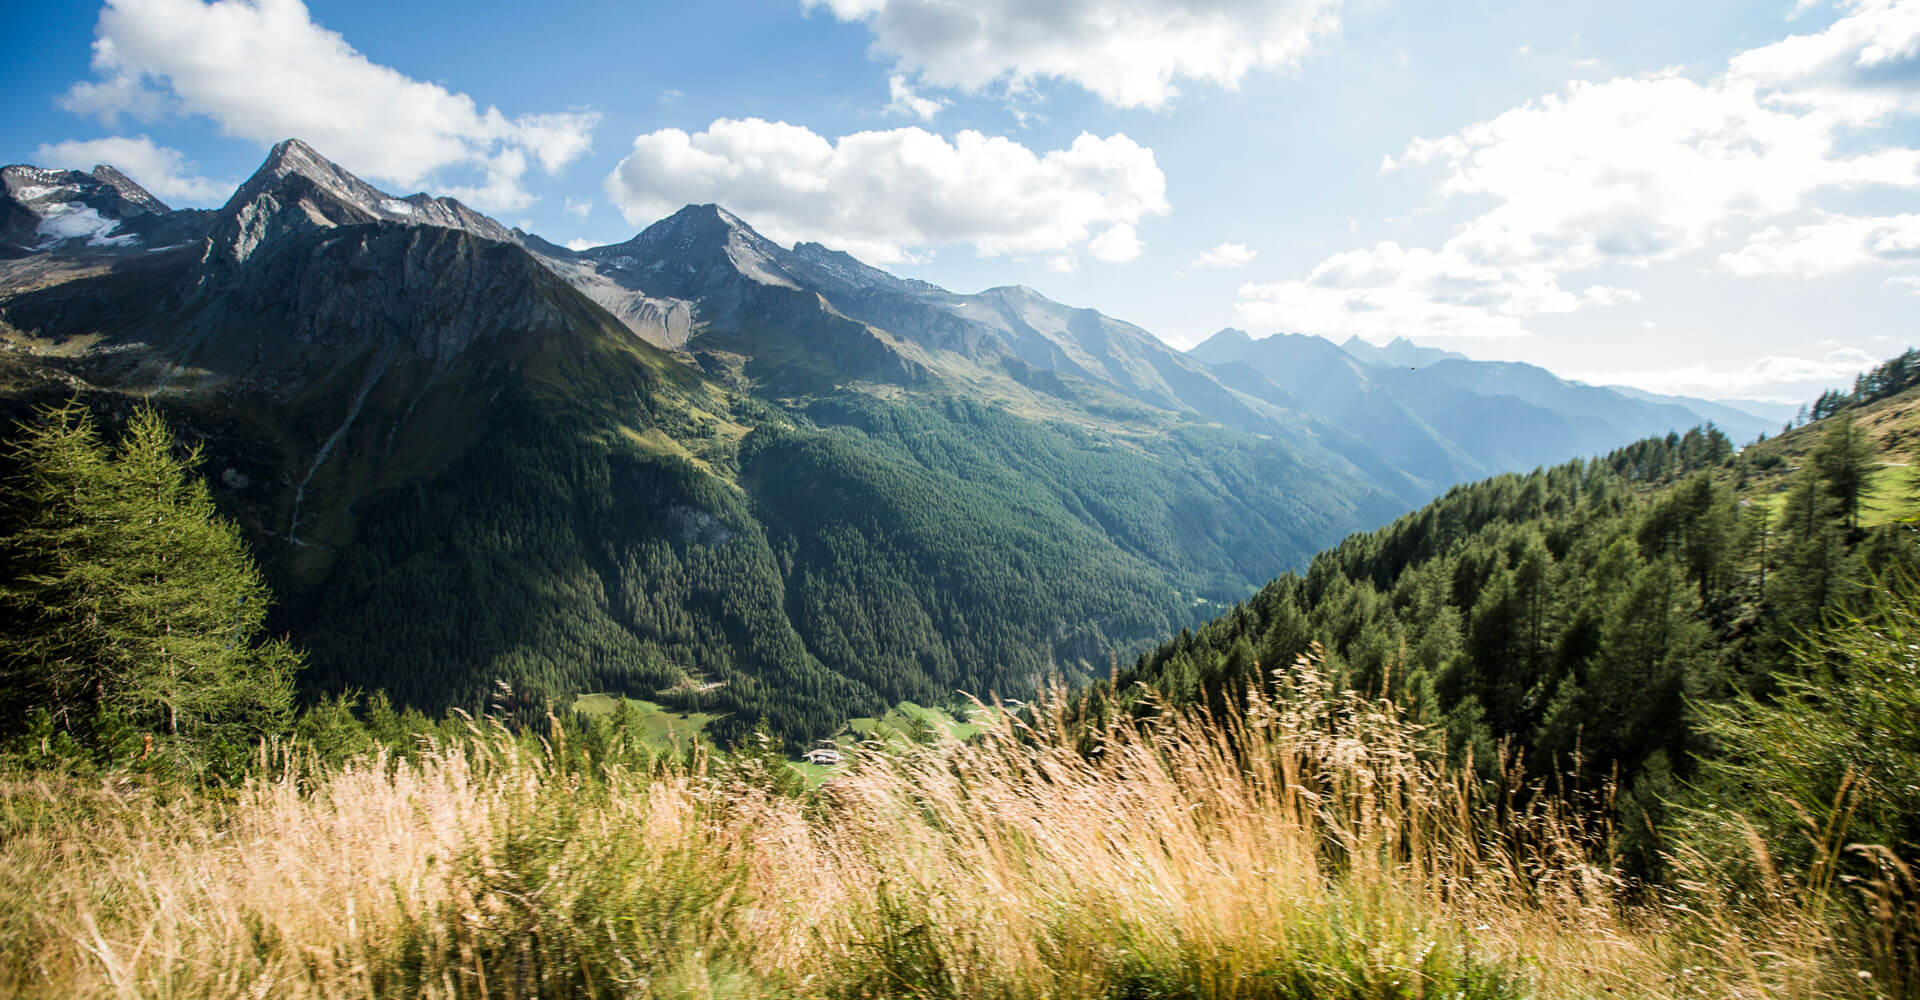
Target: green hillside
{"points": [[1581, 620]]}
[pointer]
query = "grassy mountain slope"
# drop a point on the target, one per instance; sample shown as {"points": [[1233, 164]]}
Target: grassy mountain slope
{"points": [[1579, 616]]}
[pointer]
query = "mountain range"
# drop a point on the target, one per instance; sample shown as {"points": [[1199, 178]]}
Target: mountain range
{"points": [[702, 467]]}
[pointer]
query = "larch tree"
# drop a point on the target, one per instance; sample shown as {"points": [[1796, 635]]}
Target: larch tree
{"points": [[131, 604], [1846, 460]]}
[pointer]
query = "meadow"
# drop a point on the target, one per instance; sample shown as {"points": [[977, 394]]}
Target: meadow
{"points": [[1312, 845]]}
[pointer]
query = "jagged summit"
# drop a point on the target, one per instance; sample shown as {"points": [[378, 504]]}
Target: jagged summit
{"points": [[297, 190], [695, 228], [841, 271], [1398, 352], [101, 210], [139, 199], [694, 248], [1226, 337]]}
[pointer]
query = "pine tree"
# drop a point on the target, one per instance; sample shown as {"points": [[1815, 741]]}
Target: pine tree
{"points": [[1845, 460], [131, 603]]}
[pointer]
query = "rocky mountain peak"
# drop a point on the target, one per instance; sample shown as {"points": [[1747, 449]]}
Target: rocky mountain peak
{"points": [[838, 271], [139, 199], [1227, 336], [696, 246], [1397, 353], [298, 190], [41, 209], [295, 161]]}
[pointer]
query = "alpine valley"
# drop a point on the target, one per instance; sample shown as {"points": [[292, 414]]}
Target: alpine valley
{"points": [[702, 468]]}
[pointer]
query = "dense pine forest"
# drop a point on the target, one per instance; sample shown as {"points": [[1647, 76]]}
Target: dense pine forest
{"points": [[1608, 623]]}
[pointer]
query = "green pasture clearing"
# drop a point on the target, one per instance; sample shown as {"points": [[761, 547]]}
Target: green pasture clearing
{"points": [[662, 727], [665, 729], [907, 716], [1890, 496]]}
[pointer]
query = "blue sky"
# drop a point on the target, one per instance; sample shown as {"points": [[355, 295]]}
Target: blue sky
{"points": [[1709, 197]]}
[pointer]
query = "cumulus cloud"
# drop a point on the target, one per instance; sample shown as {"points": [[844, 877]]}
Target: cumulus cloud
{"points": [[165, 172], [1131, 53], [580, 243], [903, 100], [1836, 243], [879, 194], [1861, 68], [1774, 379], [1390, 290], [1117, 245], [263, 70], [1636, 171], [1226, 257], [1641, 170]]}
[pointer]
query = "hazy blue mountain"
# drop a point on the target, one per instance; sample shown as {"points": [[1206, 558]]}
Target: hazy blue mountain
{"points": [[1639, 415], [1318, 377], [1743, 420], [1446, 417], [1397, 353], [1777, 413]]}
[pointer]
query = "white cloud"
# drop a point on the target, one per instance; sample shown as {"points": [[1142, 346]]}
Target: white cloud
{"points": [[1226, 257], [1130, 53], [1601, 295], [1389, 291], [1860, 67], [1834, 244], [1065, 263], [879, 194], [1636, 171], [902, 100], [166, 172], [578, 209], [263, 70], [580, 243], [1641, 170], [1117, 245], [1775, 379]]}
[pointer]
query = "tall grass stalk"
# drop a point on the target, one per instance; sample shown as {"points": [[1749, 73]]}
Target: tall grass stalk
{"points": [[1309, 846]]}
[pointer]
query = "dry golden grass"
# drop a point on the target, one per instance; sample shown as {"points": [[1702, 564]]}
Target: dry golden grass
{"points": [[1308, 847]]}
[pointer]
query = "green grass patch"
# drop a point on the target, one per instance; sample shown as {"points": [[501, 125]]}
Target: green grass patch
{"points": [[662, 727], [1889, 496], [907, 718]]}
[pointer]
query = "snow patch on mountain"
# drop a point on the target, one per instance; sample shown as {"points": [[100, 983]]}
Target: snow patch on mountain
{"points": [[73, 222]]}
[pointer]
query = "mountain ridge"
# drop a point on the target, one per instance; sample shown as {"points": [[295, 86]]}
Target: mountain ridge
{"points": [[459, 465]]}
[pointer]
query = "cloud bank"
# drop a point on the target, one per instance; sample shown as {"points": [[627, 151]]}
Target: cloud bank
{"points": [[263, 70], [1131, 53], [881, 194], [1635, 172]]}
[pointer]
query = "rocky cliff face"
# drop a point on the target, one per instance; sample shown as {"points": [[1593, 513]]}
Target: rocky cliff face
{"points": [[434, 291], [299, 191], [305, 266]]}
